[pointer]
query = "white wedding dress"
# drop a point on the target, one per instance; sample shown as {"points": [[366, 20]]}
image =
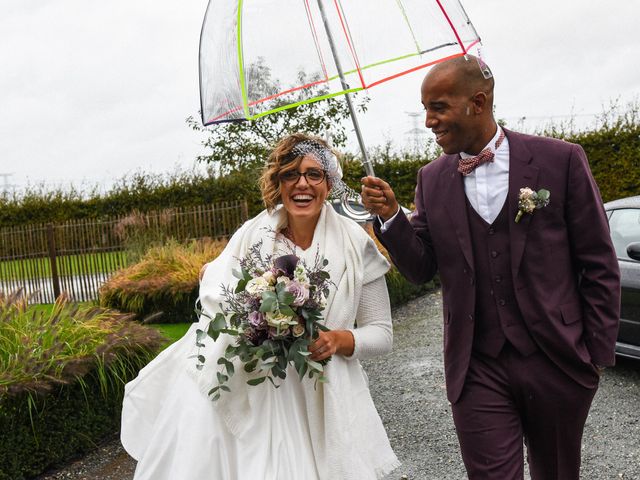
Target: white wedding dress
{"points": [[177, 433]]}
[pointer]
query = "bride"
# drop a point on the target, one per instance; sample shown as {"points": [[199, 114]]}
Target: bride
{"points": [[301, 430]]}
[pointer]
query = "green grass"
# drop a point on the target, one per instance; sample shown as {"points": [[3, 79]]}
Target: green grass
{"points": [[173, 331], [87, 263]]}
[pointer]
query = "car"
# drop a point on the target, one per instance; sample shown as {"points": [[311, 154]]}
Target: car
{"points": [[624, 223]]}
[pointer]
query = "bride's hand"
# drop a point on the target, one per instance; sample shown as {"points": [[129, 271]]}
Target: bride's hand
{"points": [[330, 343]]}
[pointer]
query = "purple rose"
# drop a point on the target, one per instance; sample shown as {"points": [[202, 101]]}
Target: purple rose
{"points": [[256, 319], [286, 264], [299, 291]]}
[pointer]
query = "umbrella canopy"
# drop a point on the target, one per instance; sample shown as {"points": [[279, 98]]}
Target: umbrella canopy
{"points": [[261, 56]]}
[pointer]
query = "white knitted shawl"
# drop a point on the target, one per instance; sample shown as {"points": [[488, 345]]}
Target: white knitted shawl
{"points": [[354, 260]]}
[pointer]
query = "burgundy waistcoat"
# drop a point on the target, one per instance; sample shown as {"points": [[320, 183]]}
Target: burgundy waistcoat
{"points": [[498, 317]]}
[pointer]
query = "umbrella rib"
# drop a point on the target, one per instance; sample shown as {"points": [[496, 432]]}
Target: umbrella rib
{"points": [[304, 102], [416, 68], [264, 99], [455, 32], [406, 19], [243, 85], [348, 37], [314, 33]]}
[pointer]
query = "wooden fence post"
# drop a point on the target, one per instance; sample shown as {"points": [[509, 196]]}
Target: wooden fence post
{"points": [[245, 212], [51, 247]]}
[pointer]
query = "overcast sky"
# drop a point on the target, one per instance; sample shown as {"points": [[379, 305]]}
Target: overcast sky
{"points": [[91, 91]]}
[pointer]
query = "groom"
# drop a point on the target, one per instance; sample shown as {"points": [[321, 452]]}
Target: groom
{"points": [[530, 305]]}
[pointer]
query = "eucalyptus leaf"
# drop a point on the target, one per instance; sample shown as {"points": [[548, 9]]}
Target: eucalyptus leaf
{"points": [[269, 305], [302, 371], [285, 310], [256, 381], [219, 322], [200, 335], [250, 366], [238, 274], [544, 194], [273, 383], [314, 365], [242, 284], [285, 298]]}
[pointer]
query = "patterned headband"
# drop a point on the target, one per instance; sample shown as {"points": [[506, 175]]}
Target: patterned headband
{"points": [[329, 163]]}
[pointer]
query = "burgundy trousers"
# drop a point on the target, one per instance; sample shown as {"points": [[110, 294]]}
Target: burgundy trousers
{"points": [[512, 398]]}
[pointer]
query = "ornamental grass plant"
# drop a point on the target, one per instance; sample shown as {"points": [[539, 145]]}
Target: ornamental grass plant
{"points": [[40, 351], [62, 377], [163, 286]]}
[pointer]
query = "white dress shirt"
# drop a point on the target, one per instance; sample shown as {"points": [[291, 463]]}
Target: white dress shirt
{"points": [[487, 186]]}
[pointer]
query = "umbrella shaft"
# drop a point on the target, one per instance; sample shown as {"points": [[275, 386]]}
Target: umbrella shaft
{"points": [[368, 168]]}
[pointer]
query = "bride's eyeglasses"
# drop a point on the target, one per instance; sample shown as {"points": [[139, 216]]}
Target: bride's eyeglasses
{"points": [[313, 176]]}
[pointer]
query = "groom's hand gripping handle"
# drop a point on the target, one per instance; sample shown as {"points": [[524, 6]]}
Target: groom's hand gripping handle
{"points": [[378, 198]]}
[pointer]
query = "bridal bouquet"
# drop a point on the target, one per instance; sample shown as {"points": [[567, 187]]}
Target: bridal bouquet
{"points": [[275, 312]]}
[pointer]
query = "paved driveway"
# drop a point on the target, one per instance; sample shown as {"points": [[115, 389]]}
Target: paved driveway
{"points": [[408, 389]]}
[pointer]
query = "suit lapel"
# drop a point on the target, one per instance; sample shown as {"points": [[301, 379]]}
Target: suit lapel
{"points": [[521, 174], [454, 201]]}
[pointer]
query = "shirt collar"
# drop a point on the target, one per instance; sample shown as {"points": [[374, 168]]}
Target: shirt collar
{"points": [[491, 145]]}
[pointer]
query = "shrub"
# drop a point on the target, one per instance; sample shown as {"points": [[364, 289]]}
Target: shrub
{"points": [[62, 377], [163, 286], [613, 150], [612, 146]]}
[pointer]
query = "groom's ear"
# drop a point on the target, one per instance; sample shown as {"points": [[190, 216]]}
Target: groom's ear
{"points": [[480, 102]]}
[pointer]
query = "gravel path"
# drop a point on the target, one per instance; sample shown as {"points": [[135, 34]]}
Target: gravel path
{"points": [[408, 389]]}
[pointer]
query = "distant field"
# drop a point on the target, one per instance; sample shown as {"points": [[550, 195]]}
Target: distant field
{"points": [[88, 263]]}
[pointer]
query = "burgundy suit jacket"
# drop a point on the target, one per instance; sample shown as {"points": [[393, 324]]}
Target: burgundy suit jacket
{"points": [[563, 265]]}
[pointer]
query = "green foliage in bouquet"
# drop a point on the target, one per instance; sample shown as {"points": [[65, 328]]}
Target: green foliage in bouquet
{"points": [[62, 376], [163, 285], [275, 313]]}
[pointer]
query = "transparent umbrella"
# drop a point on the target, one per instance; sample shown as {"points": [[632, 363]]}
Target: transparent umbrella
{"points": [[341, 46]]}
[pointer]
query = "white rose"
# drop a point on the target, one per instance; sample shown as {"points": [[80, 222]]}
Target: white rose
{"points": [[278, 320], [297, 330], [300, 275], [257, 285], [269, 277]]}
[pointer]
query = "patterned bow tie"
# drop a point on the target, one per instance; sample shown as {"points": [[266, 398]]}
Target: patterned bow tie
{"points": [[468, 165]]}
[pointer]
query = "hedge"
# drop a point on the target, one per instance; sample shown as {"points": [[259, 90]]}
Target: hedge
{"points": [[613, 150], [39, 431]]}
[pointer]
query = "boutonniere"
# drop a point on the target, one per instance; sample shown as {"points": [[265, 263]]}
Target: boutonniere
{"points": [[528, 201]]}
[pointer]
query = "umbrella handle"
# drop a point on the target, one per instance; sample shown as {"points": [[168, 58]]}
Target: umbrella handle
{"points": [[359, 215]]}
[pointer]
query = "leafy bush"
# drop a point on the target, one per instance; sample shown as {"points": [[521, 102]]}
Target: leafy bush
{"points": [[612, 146], [163, 286], [613, 150], [62, 377]]}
